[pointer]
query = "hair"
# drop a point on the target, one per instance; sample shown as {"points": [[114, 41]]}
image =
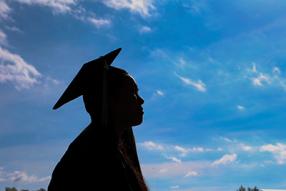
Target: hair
{"points": [[116, 80], [128, 148], [92, 97]]}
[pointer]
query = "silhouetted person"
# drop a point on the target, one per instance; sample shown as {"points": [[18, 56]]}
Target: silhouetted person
{"points": [[103, 156]]}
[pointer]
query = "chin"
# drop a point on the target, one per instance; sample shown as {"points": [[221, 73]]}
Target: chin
{"points": [[137, 122]]}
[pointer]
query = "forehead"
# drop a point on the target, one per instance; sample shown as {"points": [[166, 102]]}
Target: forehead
{"points": [[131, 82]]}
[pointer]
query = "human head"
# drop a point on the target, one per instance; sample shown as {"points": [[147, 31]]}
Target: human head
{"points": [[123, 101]]}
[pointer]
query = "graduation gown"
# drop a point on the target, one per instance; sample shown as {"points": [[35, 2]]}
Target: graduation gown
{"points": [[91, 162]]}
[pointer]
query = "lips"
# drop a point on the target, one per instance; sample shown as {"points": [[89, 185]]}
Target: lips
{"points": [[141, 110]]}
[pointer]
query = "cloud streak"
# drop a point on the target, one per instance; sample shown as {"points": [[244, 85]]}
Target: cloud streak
{"points": [[59, 6], [225, 159], [14, 69], [159, 93], [145, 29], [198, 85], [169, 148], [4, 10], [278, 150], [3, 38], [150, 145], [99, 22], [173, 169], [141, 7], [263, 79], [20, 176]]}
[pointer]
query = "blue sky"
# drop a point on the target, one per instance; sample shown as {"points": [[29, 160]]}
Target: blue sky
{"points": [[212, 73]]}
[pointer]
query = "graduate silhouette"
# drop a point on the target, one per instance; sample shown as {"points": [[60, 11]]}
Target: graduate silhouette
{"points": [[103, 156]]}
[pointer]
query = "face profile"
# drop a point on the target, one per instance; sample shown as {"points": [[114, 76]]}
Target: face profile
{"points": [[107, 144], [127, 105]]}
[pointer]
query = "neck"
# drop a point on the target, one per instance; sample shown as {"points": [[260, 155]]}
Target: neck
{"points": [[113, 126]]}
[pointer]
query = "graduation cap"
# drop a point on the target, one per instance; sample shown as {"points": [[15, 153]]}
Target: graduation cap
{"points": [[81, 82]]}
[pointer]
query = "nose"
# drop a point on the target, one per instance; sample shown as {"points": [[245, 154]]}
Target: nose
{"points": [[141, 100]]}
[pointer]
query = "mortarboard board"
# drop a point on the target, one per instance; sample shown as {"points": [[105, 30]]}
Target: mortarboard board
{"points": [[78, 86]]}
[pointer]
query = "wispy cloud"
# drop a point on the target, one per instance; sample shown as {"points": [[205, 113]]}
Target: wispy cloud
{"points": [[263, 79], [173, 169], [172, 152], [150, 145], [141, 7], [58, 6], [4, 10], [71, 7], [145, 29], [181, 62], [246, 148], [99, 22], [240, 108], [225, 159], [14, 69], [278, 150], [195, 6], [3, 38], [159, 93], [198, 85], [227, 139], [192, 173], [20, 176], [174, 159], [183, 151]]}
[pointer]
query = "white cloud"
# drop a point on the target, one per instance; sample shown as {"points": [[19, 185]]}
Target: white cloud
{"points": [[246, 148], [170, 149], [159, 93], [183, 151], [261, 80], [253, 69], [278, 150], [174, 159], [181, 62], [192, 173], [226, 139], [99, 22], [240, 107], [145, 29], [200, 149], [20, 176], [59, 6], [150, 145], [69, 6], [14, 69], [273, 190], [225, 159], [198, 85], [171, 169], [4, 10], [142, 7], [3, 38]]}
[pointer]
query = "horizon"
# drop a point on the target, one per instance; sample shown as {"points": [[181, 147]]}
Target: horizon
{"points": [[212, 74]]}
